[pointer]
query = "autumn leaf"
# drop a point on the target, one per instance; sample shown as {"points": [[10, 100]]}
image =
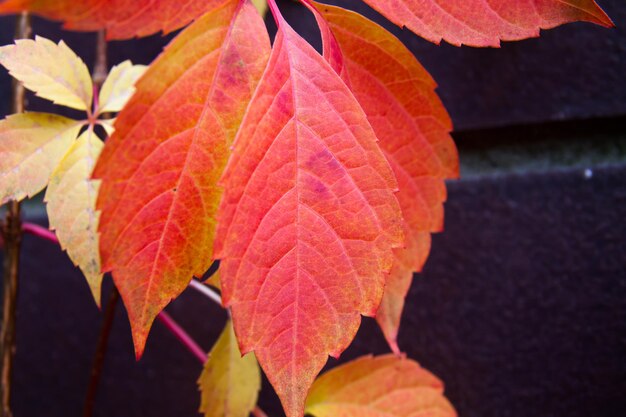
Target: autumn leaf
{"points": [[71, 200], [382, 386], [118, 87], [159, 170], [31, 147], [229, 383], [52, 71], [486, 23], [398, 97], [307, 222], [122, 19]]}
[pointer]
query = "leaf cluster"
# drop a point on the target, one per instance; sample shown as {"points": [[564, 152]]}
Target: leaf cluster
{"points": [[316, 180]]}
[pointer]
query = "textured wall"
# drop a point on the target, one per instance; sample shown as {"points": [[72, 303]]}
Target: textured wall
{"points": [[521, 311], [575, 71]]}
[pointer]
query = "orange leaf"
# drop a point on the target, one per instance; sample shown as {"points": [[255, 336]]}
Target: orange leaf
{"points": [[122, 19], [159, 170], [486, 23], [383, 386], [308, 219], [397, 94]]}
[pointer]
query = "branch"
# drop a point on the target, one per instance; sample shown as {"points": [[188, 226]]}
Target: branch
{"points": [[206, 290], [182, 336], [12, 236], [98, 359]]}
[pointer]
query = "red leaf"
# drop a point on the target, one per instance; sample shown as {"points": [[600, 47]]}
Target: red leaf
{"points": [[307, 222], [485, 23], [122, 19], [159, 170], [397, 94]]}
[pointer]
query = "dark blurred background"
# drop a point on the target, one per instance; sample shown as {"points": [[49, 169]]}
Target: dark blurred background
{"points": [[521, 308]]}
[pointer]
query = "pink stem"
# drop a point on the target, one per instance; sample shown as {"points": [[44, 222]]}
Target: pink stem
{"points": [[182, 336], [170, 324], [257, 412], [39, 231]]}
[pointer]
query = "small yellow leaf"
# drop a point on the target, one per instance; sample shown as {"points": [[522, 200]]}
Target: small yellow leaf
{"points": [[71, 203], [119, 86], [53, 71], [229, 384], [261, 6], [108, 125], [382, 386], [31, 147]]}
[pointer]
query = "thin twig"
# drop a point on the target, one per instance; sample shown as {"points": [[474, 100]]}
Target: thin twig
{"points": [[183, 337], [12, 236], [98, 359], [39, 231], [98, 76], [170, 324], [205, 290]]}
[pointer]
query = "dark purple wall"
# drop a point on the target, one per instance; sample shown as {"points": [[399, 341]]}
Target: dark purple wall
{"points": [[521, 309]]}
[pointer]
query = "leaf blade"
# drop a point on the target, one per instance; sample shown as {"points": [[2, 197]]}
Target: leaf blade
{"points": [[122, 19], [480, 23], [382, 386], [229, 383], [53, 71], [119, 86], [159, 170], [71, 206], [399, 99], [31, 146], [302, 259]]}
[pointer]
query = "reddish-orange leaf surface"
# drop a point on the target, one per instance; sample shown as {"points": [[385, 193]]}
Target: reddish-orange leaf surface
{"points": [[486, 22], [413, 127], [308, 219], [383, 386], [159, 170], [122, 19]]}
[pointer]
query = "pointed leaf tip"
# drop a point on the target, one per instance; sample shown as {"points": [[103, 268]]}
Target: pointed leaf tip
{"points": [[229, 383], [159, 170], [308, 220], [414, 134], [486, 23], [71, 206], [53, 71]]}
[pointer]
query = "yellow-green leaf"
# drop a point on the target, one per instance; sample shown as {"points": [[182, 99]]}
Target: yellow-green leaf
{"points": [[229, 383], [108, 125], [53, 71], [31, 147], [261, 6], [119, 86], [383, 386], [71, 199]]}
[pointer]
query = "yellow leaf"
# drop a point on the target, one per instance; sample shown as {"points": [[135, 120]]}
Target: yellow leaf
{"points": [[31, 146], [52, 71], [382, 386], [108, 125], [261, 6], [119, 86], [71, 199], [229, 384]]}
